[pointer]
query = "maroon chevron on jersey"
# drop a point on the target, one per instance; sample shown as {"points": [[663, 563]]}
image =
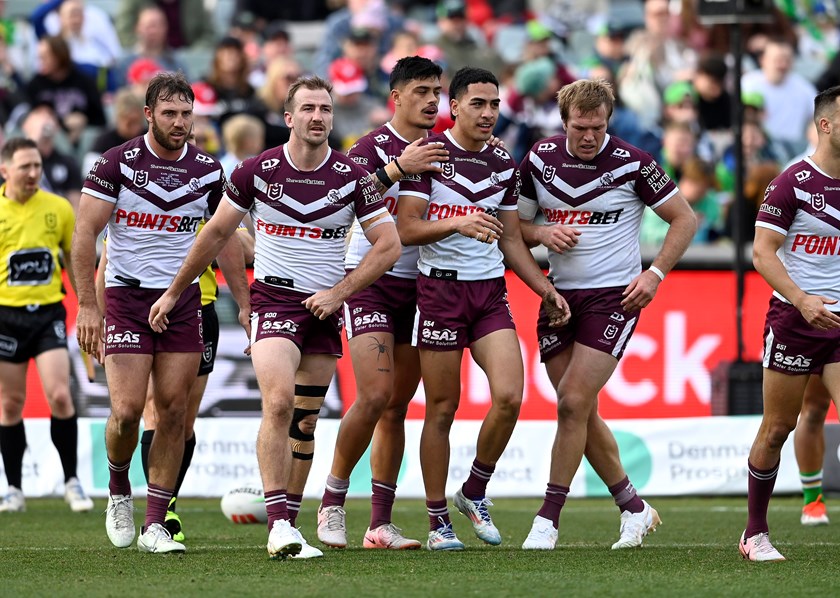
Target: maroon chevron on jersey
{"points": [[302, 218], [158, 205], [485, 180], [603, 198]]}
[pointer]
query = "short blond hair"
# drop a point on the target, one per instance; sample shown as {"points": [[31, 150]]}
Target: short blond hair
{"points": [[587, 95], [239, 128]]}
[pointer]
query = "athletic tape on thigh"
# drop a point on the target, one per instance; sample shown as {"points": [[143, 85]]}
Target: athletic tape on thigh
{"points": [[308, 401]]}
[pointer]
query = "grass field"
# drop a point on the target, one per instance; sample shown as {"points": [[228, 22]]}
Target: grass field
{"points": [[49, 551]]}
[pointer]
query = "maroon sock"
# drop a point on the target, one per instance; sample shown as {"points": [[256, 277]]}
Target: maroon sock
{"points": [[381, 503], [555, 498], [293, 506], [118, 482], [759, 489], [335, 492], [438, 514], [625, 496], [157, 501], [276, 506], [475, 488]]}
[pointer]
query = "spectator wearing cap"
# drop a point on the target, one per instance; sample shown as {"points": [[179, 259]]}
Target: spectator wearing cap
{"points": [[461, 44], [129, 122], [360, 47], [354, 112], [358, 14], [60, 84], [206, 111], [680, 106], [788, 97], [228, 77], [609, 46], [528, 107], [151, 35], [139, 73], [189, 22], [277, 43]]}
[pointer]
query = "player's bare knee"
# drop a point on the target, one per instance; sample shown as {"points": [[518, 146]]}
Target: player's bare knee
{"points": [[508, 403], [777, 433], [572, 406], [395, 414], [11, 408], [61, 403], [371, 407]]}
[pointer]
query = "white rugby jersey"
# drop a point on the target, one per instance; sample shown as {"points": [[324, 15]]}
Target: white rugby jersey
{"points": [[158, 205], [373, 151], [603, 198], [301, 218], [487, 181], [803, 203]]}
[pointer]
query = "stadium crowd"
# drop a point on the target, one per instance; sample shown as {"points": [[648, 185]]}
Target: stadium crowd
{"points": [[73, 77]]}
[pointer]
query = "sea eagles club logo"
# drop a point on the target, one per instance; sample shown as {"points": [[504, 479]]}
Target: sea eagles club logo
{"points": [[448, 171], [275, 191]]}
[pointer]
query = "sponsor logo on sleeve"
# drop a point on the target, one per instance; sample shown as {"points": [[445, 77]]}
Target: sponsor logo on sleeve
{"points": [[381, 138], [131, 154], [269, 164], [621, 153], [772, 210], [360, 160], [803, 175], [546, 147], [342, 168], [203, 159]]}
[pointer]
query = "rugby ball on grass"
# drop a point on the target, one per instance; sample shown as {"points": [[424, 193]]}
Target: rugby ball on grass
{"points": [[245, 504]]}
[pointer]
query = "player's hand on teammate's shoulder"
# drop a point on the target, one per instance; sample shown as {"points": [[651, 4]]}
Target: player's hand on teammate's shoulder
{"points": [[813, 309], [556, 309], [480, 226], [559, 237], [419, 156], [496, 142], [158, 319], [640, 292]]}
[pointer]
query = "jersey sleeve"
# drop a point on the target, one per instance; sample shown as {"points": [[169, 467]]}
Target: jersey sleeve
{"points": [[217, 190], [363, 154], [367, 202], [654, 186], [527, 204], [103, 180], [418, 185], [779, 206], [510, 200], [239, 190]]}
